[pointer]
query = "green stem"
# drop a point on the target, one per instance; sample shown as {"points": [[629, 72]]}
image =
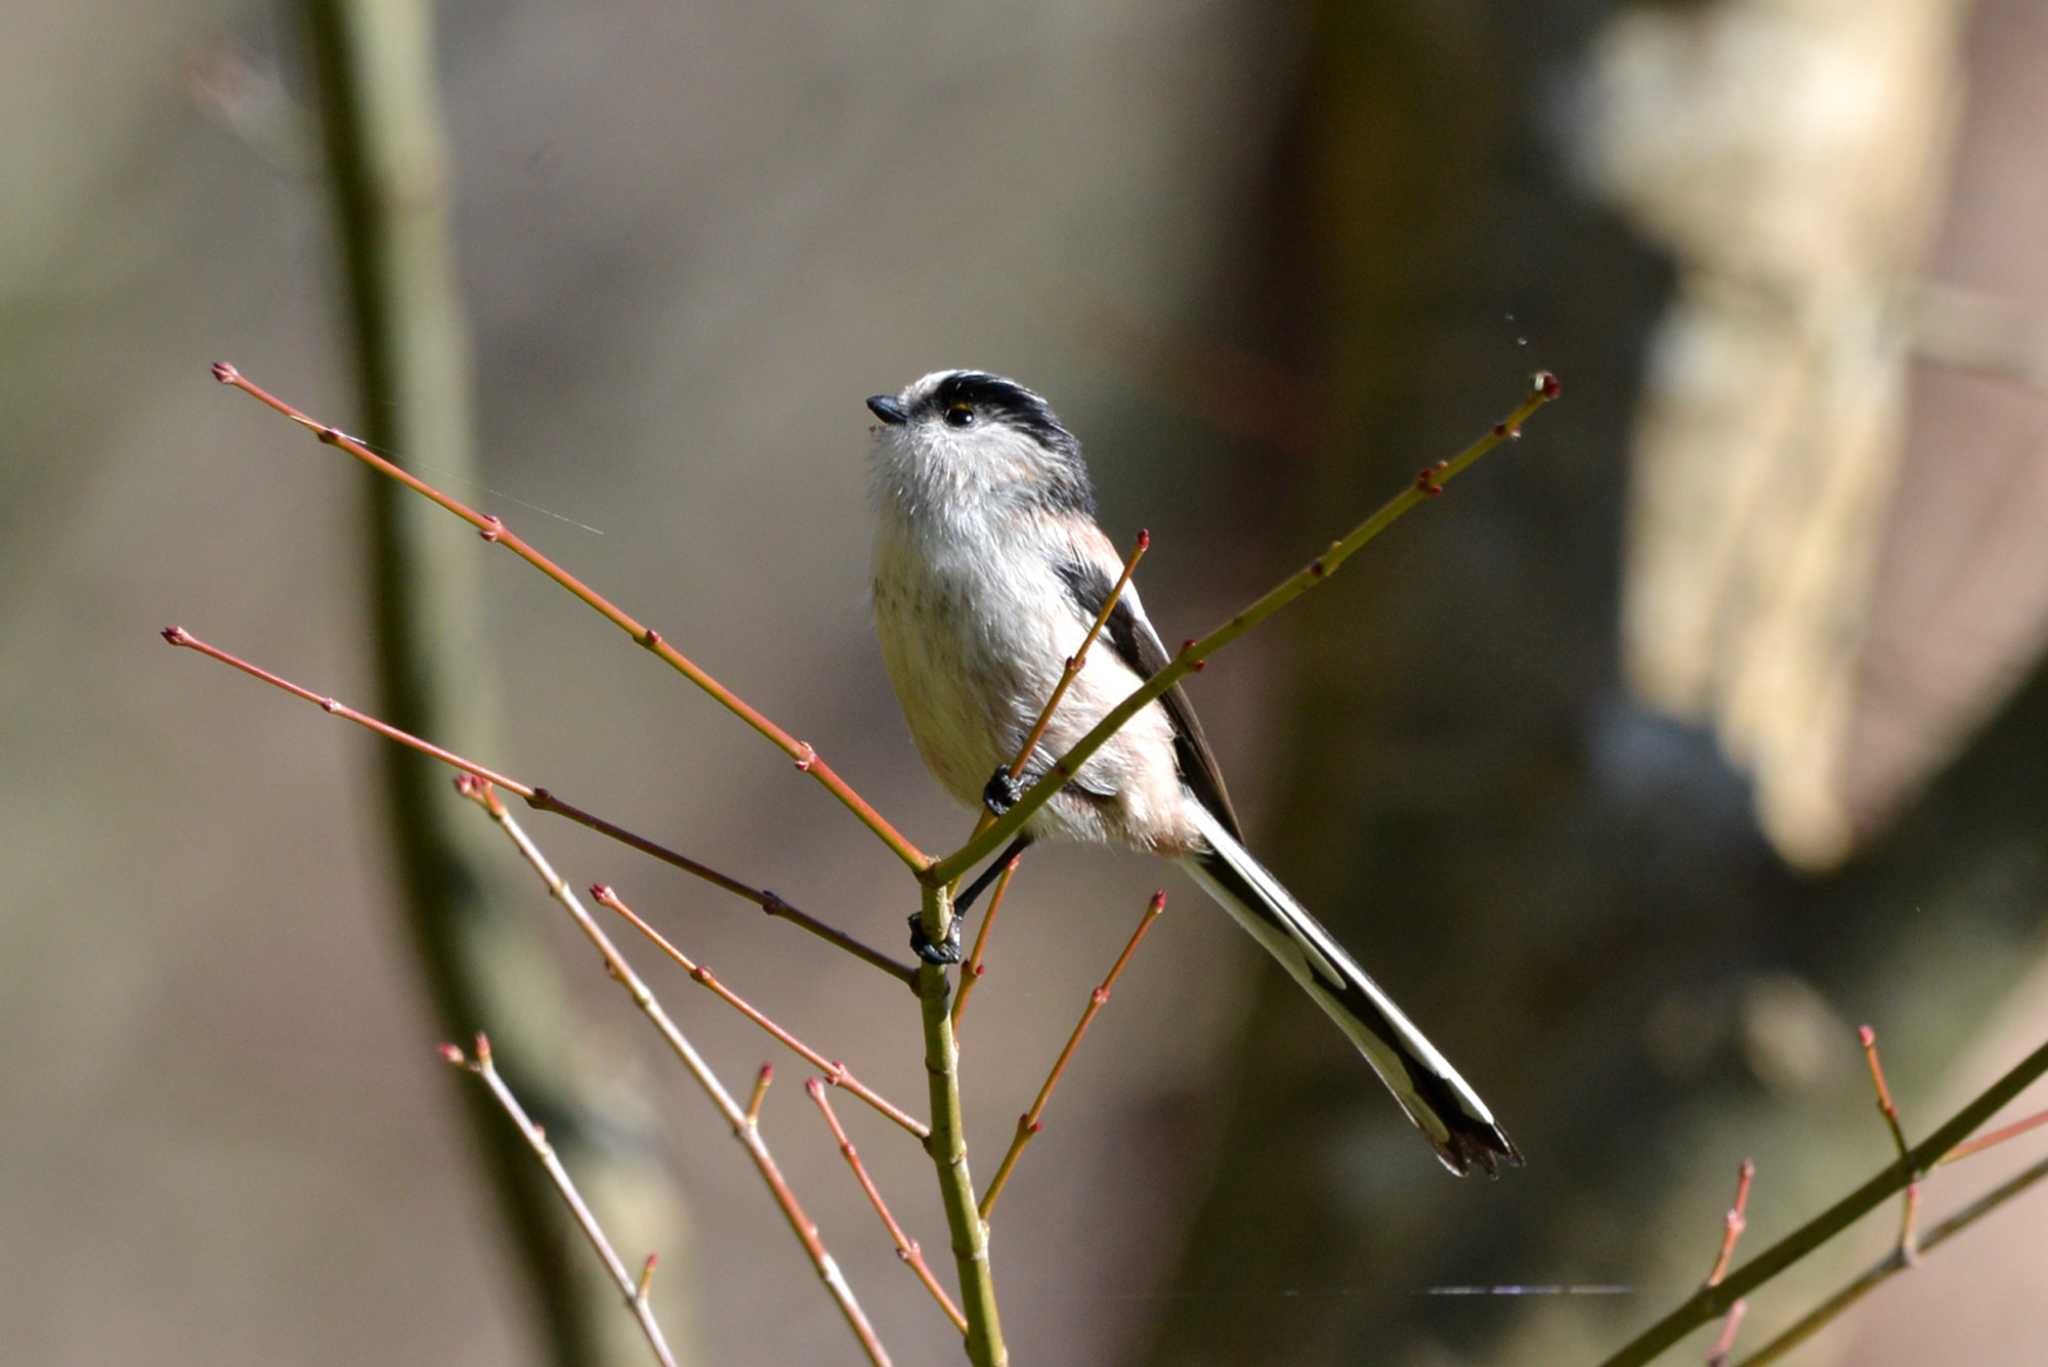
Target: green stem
{"points": [[1193, 655], [948, 1146], [1711, 1302]]}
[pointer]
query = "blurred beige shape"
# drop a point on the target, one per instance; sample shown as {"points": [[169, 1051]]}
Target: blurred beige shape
{"points": [[1791, 154]]}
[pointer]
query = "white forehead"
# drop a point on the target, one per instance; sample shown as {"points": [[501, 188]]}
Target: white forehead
{"points": [[924, 385]]}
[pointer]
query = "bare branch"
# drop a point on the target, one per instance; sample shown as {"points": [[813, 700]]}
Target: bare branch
{"points": [[1831, 1309], [837, 1073], [492, 529], [971, 971], [542, 800], [1711, 1301], [635, 1293], [1426, 485], [906, 1247], [746, 1132], [1910, 1214], [1029, 1124], [1737, 1221], [947, 1146]]}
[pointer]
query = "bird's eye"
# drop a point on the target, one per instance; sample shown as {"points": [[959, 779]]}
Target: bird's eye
{"points": [[960, 415]]}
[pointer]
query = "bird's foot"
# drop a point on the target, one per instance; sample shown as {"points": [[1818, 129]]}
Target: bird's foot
{"points": [[1002, 792], [945, 952]]}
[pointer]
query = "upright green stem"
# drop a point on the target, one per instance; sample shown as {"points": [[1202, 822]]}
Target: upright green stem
{"points": [[948, 1146]]}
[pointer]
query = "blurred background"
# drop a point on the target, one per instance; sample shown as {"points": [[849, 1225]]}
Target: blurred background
{"points": [[1698, 728]]}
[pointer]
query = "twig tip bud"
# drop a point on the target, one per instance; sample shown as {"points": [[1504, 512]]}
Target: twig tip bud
{"points": [[814, 1087], [1546, 383], [602, 892], [483, 1048], [1158, 902], [453, 1055], [1144, 538], [1866, 1036], [225, 373], [177, 636]]}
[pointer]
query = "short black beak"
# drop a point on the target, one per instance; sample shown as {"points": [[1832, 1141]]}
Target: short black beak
{"points": [[886, 408]]}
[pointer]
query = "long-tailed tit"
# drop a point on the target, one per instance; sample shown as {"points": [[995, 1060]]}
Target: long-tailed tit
{"points": [[989, 571]]}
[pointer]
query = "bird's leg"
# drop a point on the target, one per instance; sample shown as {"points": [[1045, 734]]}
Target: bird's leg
{"points": [[989, 875], [948, 952]]}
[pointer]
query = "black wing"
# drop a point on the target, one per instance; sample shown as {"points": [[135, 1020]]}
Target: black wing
{"points": [[1139, 647]]}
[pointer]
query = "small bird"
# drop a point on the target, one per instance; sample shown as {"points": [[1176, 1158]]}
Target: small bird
{"points": [[989, 570]]}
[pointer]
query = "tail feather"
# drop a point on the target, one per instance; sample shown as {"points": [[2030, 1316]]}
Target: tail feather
{"points": [[1447, 1111]]}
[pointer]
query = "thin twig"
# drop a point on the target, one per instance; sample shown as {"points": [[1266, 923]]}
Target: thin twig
{"points": [[971, 971], [1068, 673], [1711, 1301], [906, 1247], [837, 1073], [747, 1133], [634, 1292], [1893, 1263], [761, 1081], [1029, 1124], [1736, 1222], [1993, 1138], [948, 1145], [805, 756], [1427, 484], [1079, 659], [540, 799], [1909, 1215], [1725, 1343]]}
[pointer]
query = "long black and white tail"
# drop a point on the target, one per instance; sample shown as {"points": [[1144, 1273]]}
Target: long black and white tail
{"points": [[1447, 1111]]}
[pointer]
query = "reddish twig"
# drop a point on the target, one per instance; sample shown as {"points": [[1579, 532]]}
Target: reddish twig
{"points": [[1544, 388], [541, 799], [1029, 1123], [971, 971], [745, 1131], [494, 530], [1893, 1263], [1737, 1221], [1717, 1356], [1909, 1214], [1993, 1138], [1068, 673], [906, 1247], [635, 1292], [835, 1072], [761, 1081], [1711, 1301]]}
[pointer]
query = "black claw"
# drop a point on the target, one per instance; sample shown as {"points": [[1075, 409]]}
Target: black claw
{"points": [[947, 952], [1002, 792]]}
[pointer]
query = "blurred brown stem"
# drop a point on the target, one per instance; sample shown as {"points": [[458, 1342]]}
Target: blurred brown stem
{"points": [[372, 64], [1831, 1309]]}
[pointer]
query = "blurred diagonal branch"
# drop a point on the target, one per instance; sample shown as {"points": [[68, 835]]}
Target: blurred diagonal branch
{"points": [[372, 60]]}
